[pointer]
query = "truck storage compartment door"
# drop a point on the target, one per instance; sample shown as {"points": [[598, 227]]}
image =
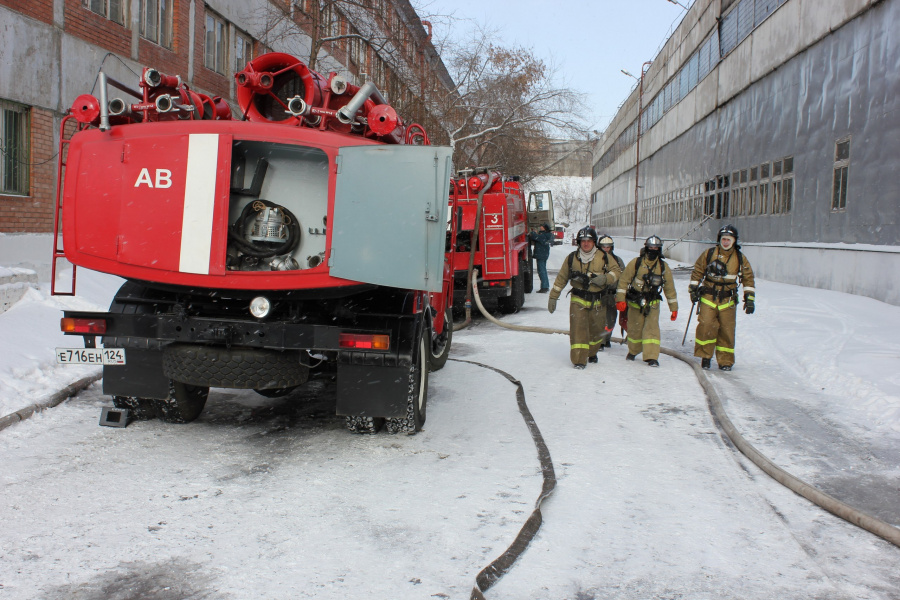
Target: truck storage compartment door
{"points": [[173, 212], [390, 215]]}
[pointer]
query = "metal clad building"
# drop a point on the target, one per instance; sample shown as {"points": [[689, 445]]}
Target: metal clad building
{"points": [[781, 117]]}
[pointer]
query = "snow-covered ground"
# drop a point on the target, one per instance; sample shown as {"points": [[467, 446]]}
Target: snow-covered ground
{"points": [[269, 498]]}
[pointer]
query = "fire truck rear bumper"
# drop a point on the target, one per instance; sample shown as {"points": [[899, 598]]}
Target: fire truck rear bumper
{"points": [[370, 382]]}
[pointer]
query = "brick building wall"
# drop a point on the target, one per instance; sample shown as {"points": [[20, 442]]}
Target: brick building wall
{"points": [[34, 213], [40, 10], [84, 24]]}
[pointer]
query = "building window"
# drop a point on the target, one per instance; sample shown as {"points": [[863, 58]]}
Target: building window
{"points": [[722, 198], [841, 171], [216, 34], [114, 10], [243, 51], [156, 21], [14, 148], [787, 188], [751, 191], [763, 205]]}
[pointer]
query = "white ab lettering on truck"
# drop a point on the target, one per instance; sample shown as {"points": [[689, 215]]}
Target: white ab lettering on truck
{"points": [[163, 178]]}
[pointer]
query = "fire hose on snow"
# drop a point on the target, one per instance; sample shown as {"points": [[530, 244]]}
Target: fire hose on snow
{"points": [[836, 507]]}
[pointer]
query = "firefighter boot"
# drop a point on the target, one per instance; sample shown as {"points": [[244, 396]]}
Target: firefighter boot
{"points": [[592, 359], [652, 362], [706, 363]]}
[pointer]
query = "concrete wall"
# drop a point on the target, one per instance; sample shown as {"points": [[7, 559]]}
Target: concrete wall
{"points": [[812, 73]]}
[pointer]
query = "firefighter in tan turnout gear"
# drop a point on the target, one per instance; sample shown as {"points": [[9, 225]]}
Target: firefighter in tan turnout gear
{"points": [[640, 289], [589, 274], [714, 284]]}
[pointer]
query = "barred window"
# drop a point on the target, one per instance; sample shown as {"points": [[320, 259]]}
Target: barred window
{"points": [[114, 10], [156, 21], [15, 151]]}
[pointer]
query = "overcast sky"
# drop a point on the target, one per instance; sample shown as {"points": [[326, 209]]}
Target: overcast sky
{"points": [[590, 41]]}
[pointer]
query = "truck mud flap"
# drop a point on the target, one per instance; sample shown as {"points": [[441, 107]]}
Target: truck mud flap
{"points": [[142, 376], [372, 390]]}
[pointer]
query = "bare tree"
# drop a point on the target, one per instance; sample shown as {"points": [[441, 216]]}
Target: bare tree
{"points": [[307, 28], [504, 107], [571, 197]]}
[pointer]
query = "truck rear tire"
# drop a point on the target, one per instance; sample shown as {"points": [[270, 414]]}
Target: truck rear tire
{"points": [[357, 424], [184, 404], [516, 299], [440, 343], [417, 396], [140, 409], [529, 273]]}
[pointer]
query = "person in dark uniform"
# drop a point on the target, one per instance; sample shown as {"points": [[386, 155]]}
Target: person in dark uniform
{"points": [[542, 240]]}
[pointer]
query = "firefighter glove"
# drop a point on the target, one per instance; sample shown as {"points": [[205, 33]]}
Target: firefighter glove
{"points": [[551, 304], [749, 304], [674, 314], [694, 291], [621, 306]]}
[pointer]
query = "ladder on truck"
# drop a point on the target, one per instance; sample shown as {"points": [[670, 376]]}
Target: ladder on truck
{"points": [[491, 259], [58, 250]]}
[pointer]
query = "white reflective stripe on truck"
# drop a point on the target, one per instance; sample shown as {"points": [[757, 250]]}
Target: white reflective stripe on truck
{"points": [[199, 203]]}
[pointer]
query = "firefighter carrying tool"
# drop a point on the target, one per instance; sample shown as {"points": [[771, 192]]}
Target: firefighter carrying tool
{"points": [[714, 284], [254, 250]]}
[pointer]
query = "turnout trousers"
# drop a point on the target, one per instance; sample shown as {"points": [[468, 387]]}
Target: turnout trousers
{"points": [[643, 331], [715, 330], [586, 327]]}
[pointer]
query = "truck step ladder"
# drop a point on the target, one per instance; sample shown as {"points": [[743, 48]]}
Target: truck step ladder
{"points": [[58, 250]]}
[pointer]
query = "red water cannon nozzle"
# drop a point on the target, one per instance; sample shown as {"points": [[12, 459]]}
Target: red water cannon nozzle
{"points": [[86, 109]]}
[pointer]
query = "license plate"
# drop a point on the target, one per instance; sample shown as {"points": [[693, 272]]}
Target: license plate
{"points": [[90, 356]]}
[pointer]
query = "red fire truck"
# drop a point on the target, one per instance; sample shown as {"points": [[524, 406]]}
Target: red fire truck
{"points": [[493, 239], [308, 233]]}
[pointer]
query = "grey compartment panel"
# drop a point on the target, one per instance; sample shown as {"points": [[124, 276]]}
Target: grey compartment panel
{"points": [[390, 215]]}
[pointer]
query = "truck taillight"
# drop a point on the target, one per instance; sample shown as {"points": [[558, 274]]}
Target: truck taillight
{"points": [[70, 325], [364, 341]]}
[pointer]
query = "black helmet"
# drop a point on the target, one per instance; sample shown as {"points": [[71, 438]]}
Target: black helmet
{"points": [[605, 240], [586, 233], [728, 230]]}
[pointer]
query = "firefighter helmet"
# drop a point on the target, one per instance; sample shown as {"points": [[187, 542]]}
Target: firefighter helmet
{"points": [[653, 247], [605, 240], [730, 230], [586, 233]]}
